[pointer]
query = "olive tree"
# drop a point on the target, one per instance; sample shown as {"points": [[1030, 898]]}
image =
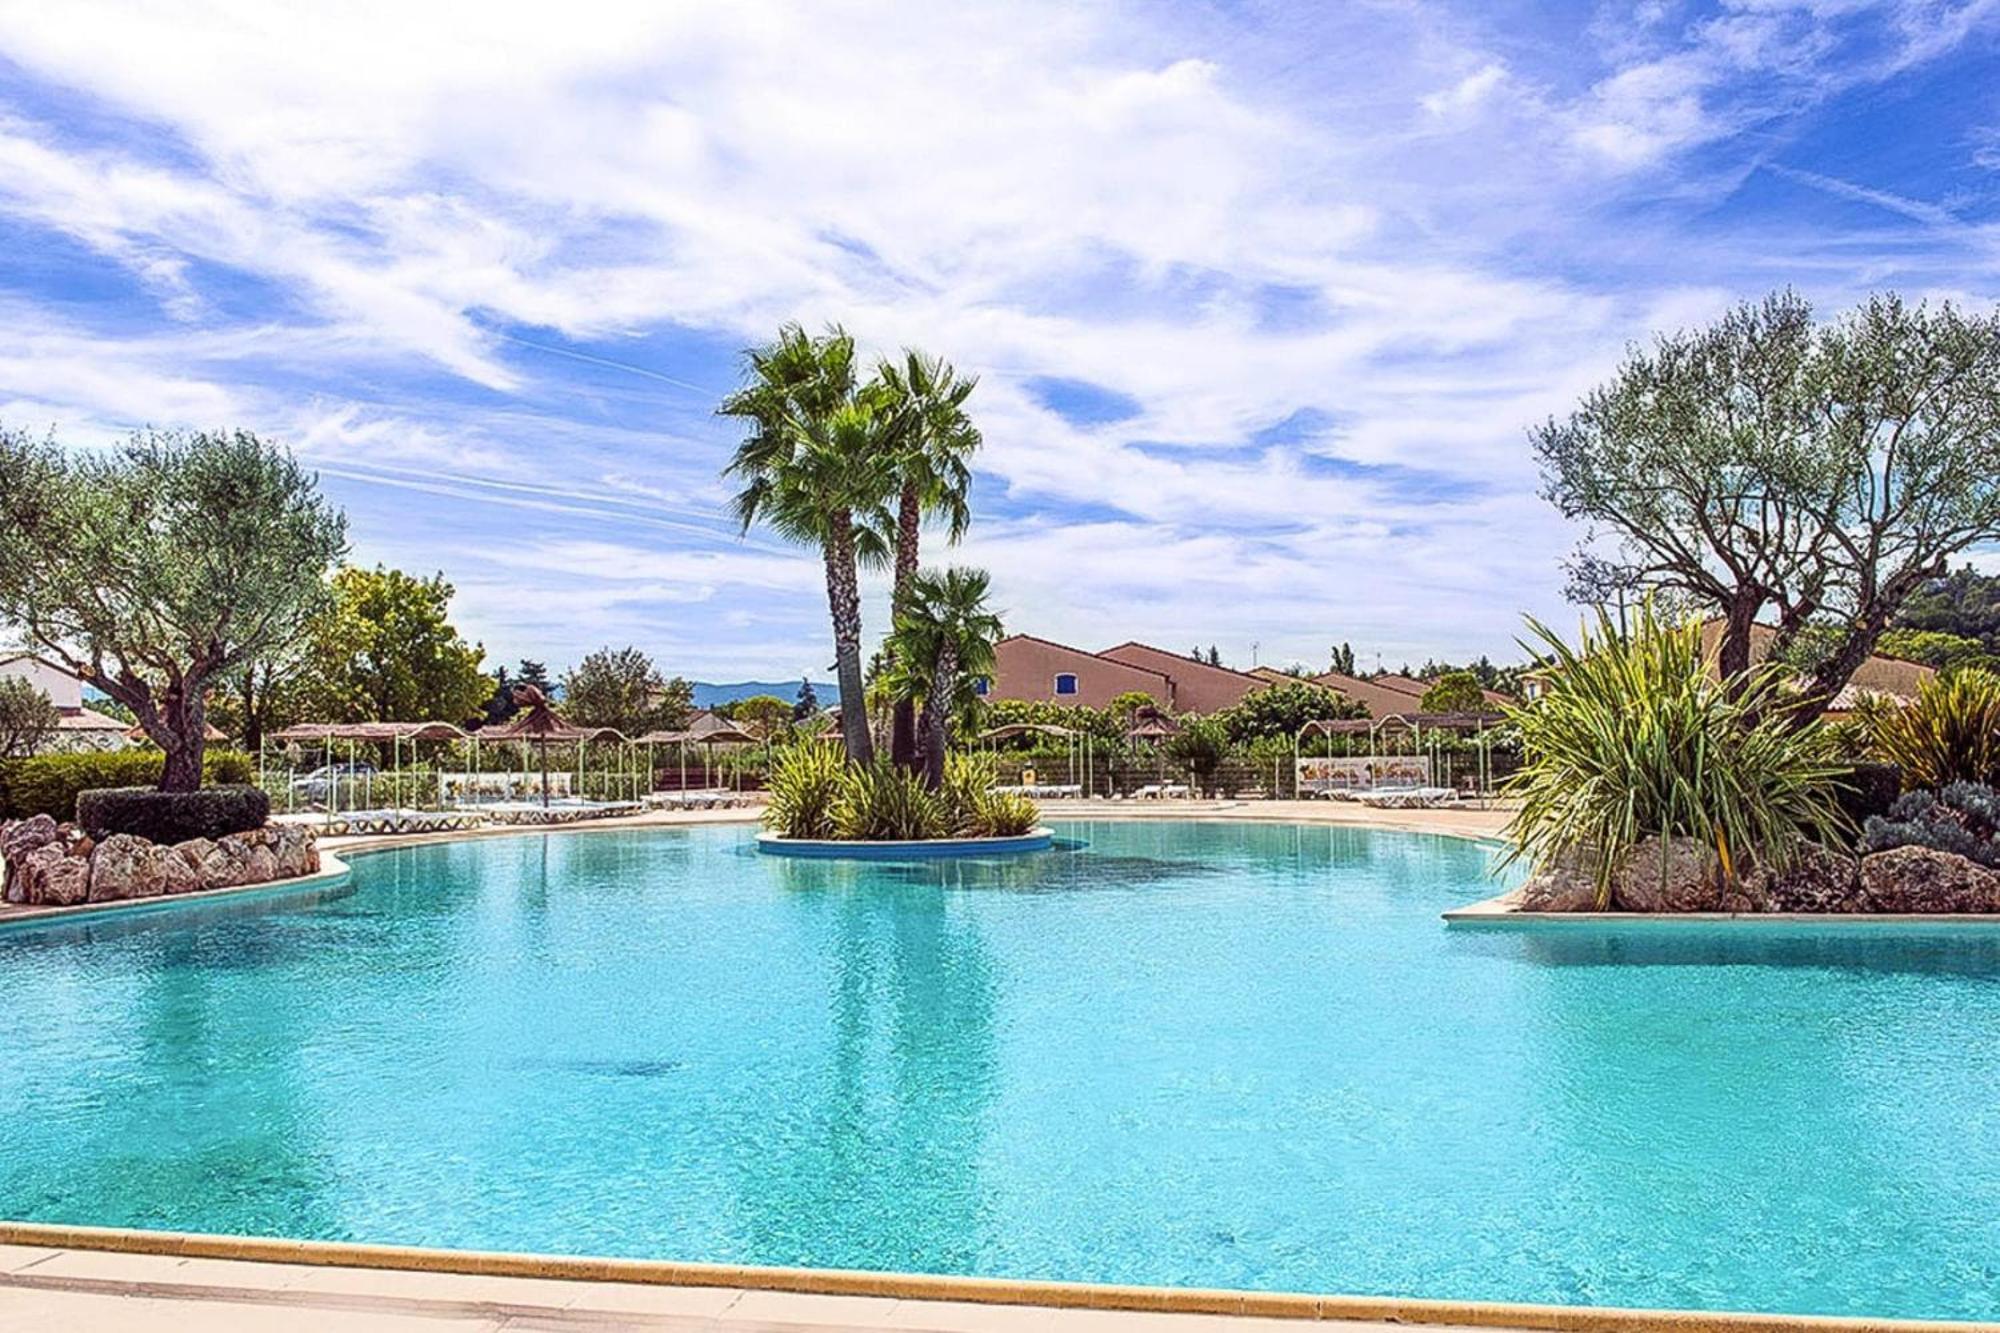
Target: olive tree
{"points": [[1769, 466], [28, 718], [154, 570]]}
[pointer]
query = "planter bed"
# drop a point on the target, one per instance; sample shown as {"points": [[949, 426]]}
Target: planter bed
{"points": [[1038, 840]]}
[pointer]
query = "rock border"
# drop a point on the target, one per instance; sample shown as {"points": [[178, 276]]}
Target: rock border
{"points": [[332, 871]]}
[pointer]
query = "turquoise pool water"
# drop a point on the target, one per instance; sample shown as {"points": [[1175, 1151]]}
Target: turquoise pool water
{"points": [[1205, 1054]]}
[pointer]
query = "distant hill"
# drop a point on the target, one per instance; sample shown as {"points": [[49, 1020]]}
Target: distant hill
{"points": [[708, 696]]}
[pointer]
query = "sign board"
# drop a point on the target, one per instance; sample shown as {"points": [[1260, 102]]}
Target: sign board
{"points": [[1362, 773]]}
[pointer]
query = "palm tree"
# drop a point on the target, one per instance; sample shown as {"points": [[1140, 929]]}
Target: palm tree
{"points": [[943, 640], [935, 440], [815, 461], [795, 458]]}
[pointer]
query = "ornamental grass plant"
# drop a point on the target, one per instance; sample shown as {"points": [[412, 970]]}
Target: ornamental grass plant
{"points": [[1636, 738]]}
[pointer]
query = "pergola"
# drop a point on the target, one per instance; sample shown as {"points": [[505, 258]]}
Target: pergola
{"points": [[1077, 745], [1415, 724], [360, 733], [708, 731], [541, 724]]}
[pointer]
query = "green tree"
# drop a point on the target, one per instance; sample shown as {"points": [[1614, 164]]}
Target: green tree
{"points": [[934, 439], [807, 702], [156, 570], [1937, 648], [1126, 705], [388, 652], [942, 642], [1964, 602], [28, 718], [1822, 474], [817, 467], [1280, 710], [765, 714], [1454, 692], [621, 688], [1343, 658], [1200, 746]]}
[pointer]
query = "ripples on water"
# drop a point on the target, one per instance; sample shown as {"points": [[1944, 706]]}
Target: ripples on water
{"points": [[1214, 1054]]}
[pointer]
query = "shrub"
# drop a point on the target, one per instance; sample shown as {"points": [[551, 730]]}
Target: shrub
{"points": [[1964, 818], [884, 803], [171, 816], [48, 784], [1281, 709], [1200, 745], [1454, 692], [968, 782], [1949, 733], [1869, 789], [807, 780], [1638, 739], [1005, 815]]}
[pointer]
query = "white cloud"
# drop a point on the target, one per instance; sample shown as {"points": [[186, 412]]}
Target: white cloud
{"points": [[1399, 248]]}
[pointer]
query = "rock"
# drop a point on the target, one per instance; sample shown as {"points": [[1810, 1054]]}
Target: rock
{"points": [[296, 852], [203, 862], [1565, 886], [1917, 879], [179, 872], [248, 860], [1689, 879], [25, 835], [1819, 879], [47, 877], [123, 866]]}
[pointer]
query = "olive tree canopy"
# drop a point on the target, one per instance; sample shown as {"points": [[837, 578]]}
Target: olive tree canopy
{"points": [[152, 569], [1768, 467]]}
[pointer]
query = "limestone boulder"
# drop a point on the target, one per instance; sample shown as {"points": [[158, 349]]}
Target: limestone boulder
{"points": [[1917, 879], [179, 872], [1670, 875], [247, 859], [1566, 885], [21, 836], [124, 866], [49, 877], [296, 850]]}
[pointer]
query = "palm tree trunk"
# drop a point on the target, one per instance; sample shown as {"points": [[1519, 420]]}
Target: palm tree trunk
{"points": [[909, 526], [843, 599], [937, 714]]}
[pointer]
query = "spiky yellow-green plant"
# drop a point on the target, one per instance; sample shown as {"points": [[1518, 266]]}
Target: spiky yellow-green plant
{"points": [[806, 782], [880, 802], [1949, 733], [1636, 737], [968, 776], [1005, 814]]}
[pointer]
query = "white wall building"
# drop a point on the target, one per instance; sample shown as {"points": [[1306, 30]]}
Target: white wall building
{"points": [[81, 728]]}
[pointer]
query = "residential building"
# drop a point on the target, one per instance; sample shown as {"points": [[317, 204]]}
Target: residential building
{"points": [[79, 727], [1033, 669], [1198, 687]]}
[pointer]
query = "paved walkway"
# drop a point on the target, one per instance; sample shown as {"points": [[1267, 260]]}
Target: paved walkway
{"points": [[56, 1291]]}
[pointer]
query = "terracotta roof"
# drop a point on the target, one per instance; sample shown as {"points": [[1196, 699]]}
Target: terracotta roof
{"points": [[1192, 661], [85, 719], [1084, 652]]}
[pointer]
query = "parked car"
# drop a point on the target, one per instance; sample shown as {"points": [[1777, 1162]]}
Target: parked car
{"points": [[317, 786]]}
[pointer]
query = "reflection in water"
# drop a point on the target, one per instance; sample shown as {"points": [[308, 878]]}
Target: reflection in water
{"points": [[881, 1144]]}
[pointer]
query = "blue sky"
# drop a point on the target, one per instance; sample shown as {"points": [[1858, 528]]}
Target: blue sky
{"points": [[1263, 297]]}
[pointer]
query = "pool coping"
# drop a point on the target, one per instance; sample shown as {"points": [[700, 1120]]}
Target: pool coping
{"points": [[941, 1287], [333, 869], [1500, 911]]}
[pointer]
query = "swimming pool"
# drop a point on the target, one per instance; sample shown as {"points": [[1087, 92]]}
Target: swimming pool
{"points": [[1213, 1054]]}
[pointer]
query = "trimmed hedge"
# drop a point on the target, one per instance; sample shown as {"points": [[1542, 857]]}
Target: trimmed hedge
{"points": [[172, 816], [47, 784]]}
